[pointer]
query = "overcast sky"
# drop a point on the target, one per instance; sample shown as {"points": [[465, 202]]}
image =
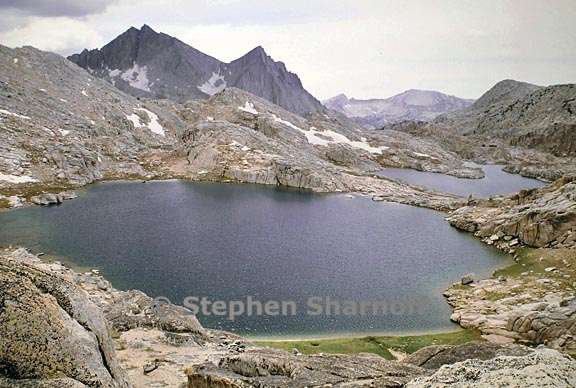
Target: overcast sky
{"points": [[363, 48]]}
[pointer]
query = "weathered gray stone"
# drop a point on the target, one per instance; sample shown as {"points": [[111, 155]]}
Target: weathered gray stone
{"points": [[41, 383], [467, 279], [433, 357], [267, 368], [49, 329], [542, 368], [535, 217]]}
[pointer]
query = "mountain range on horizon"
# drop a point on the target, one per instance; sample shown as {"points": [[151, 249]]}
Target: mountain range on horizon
{"points": [[145, 63], [410, 105], [152, 65]]}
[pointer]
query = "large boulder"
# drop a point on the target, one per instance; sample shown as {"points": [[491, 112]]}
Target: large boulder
{"points": [[542, 368], [435, 356], [50, 330], [132, 309], [35, 383], [538, 217], [267, 368]]}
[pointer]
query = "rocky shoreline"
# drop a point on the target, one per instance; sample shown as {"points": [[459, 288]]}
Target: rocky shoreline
{"points": [[536, 306], [98, 336], [163, 345], [534, 300]]}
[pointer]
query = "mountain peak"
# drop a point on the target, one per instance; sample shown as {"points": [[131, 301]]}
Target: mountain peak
{"points": [[257, 52], [503, 91], [337, 102], [181, 72], [258, 49], [146, 28]]}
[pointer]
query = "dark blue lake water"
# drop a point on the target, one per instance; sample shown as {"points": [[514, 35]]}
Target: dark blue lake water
{"points": [[496, 181], [231, 242]]}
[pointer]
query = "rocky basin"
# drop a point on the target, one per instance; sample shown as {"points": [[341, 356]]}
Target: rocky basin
{"points": [[102, 337]]}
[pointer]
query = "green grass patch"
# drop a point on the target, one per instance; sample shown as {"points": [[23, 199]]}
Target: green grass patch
{"points": [[379, 345], [527, 260], [4, 203], [535, 261], [31, 189]]}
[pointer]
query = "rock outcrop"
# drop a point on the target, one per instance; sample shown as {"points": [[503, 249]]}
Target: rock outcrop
{"points": [[533, 307], [435, 356], [530, 162], [62, 127], [277, 369], [521, 114], [534, 301], [50, 330], [542, 368], [254, 141], [537, 217]]}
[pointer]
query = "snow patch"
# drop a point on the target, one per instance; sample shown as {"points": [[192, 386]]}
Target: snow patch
{"points": [[114, 73], [248, 107], [43, 90], [210, 118], [17, 179], [63, 132], [8, 113], [154, 125], [324, 138], [15, 60], [288, 123], [215, 84], [135, 119], [136, 77], [63, 100], [84, 93], [422, 155]]}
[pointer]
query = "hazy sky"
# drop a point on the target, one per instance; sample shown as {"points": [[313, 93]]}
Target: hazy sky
{"points": [[364, 48]]}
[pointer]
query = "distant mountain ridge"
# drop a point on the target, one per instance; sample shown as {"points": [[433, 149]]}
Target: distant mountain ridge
{"points": [[146, 63], [413, 105]]}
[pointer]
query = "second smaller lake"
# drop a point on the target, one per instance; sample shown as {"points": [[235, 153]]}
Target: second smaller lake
{"points": [[496, 181]]}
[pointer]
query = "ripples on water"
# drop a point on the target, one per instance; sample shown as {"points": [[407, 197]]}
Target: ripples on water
{"points": [[227, 242]]}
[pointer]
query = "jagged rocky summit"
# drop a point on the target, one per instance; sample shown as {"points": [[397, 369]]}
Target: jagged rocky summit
{"points": [[146, 63]]}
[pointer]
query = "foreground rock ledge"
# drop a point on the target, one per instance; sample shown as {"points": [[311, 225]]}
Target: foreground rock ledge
{"points": [[49, 329], [55, 332]]}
